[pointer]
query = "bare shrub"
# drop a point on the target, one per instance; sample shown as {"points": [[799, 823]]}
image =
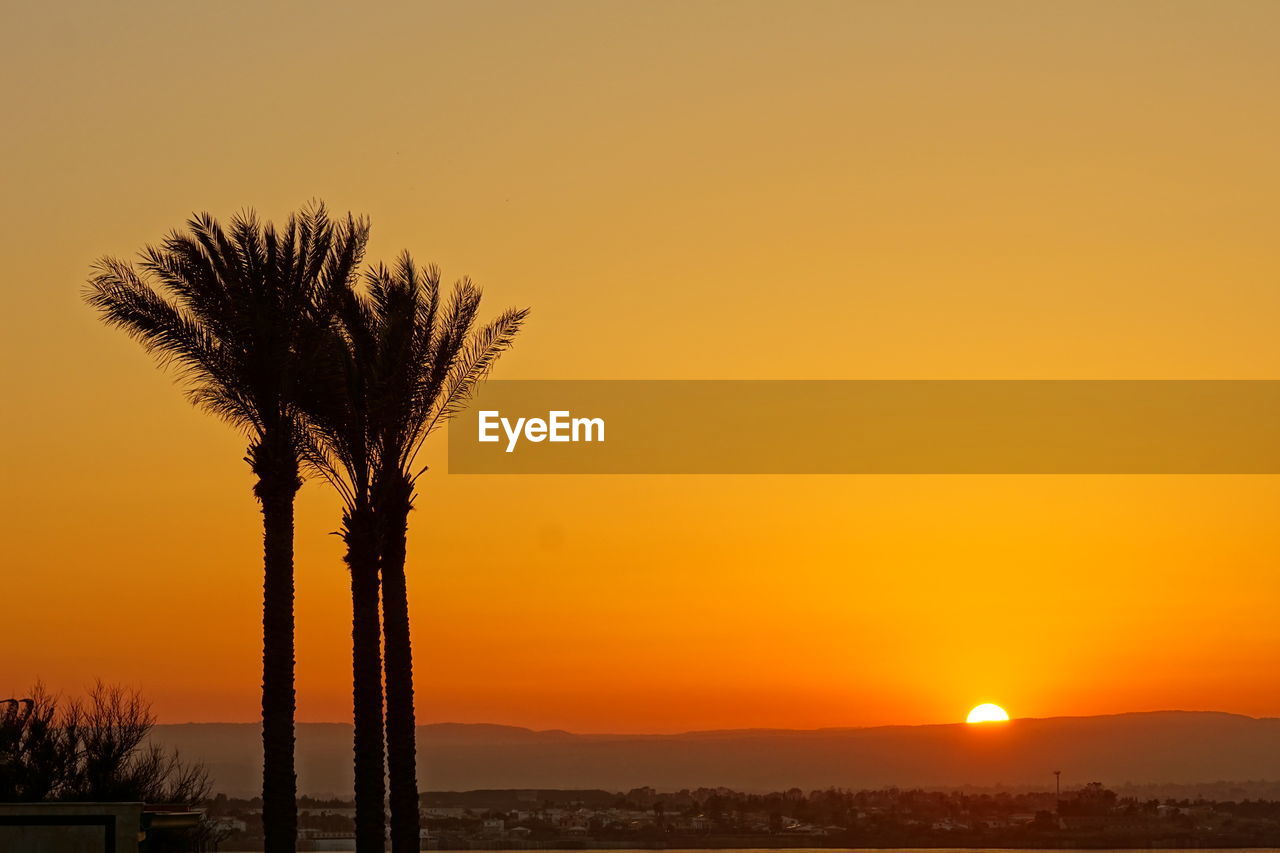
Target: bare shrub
{"points": [[90, 749]]}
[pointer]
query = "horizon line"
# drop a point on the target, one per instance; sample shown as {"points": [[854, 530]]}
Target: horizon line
{"points": [[745, 729]]}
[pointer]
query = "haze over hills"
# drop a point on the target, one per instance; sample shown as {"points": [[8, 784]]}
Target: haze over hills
{"points": [[1167, 747]]}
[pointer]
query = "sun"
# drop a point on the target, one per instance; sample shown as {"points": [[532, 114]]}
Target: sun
{"points": [[987, 713]]}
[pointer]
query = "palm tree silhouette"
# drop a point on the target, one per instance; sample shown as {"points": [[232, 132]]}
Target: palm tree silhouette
{"points": [[242, 314], [341, 420], [411, 363]]}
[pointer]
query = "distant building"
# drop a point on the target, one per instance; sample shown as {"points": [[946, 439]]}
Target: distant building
{"points": [[443, 812], [228, 823]]}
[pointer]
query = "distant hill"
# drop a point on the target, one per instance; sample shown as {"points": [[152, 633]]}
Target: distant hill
{"points": [[1165, 747]]}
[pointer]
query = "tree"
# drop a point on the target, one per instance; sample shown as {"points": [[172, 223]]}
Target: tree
{"points": [[411, 363], [1090, 801], [91, 750], [343, 455], [241, 314], [37, 753]]}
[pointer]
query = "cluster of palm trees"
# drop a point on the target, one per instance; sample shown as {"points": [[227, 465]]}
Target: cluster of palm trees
{"points": [[334, 370]]}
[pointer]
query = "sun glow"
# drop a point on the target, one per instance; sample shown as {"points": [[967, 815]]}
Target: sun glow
{"points": [[987, 713]]}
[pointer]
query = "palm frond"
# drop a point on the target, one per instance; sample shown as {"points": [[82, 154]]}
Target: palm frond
{"points": [[204, 366], [246, 315], [470, 368]]}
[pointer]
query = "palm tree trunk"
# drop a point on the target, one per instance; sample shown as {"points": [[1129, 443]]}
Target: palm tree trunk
{"points": [[366, 658], [401, 726], [276, 491]]}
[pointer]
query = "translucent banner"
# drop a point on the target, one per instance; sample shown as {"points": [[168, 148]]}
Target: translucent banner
{"points": [[869, 427]]}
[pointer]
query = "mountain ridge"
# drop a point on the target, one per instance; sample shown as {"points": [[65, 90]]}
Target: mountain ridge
{"points": [[451, 724], [1137, 747]]}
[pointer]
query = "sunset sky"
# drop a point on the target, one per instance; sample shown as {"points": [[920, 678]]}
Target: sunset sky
{"points": [[718, 190]]}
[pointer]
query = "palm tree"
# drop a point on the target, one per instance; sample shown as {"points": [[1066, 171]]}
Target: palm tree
{"points": [[340, 419], [241, 314], [412, 364]]}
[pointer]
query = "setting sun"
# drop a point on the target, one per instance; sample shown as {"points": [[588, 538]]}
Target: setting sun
{"points": [[987, 713]]}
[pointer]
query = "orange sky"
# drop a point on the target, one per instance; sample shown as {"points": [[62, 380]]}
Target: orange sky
{"points": [[705, 190]]}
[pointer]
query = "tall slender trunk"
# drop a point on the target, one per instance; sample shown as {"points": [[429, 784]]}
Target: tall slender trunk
{"points": [[366, 662], [393, 509], [277, 485]]}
